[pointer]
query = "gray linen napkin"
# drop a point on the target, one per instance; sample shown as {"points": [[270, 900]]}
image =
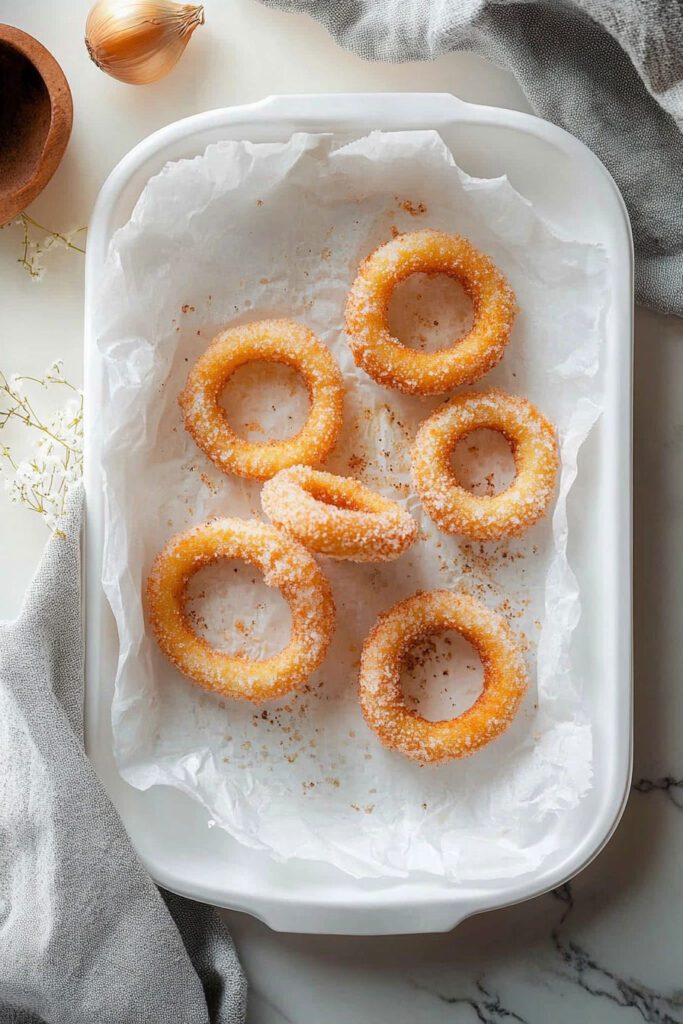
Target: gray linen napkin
{"points": [[609, 71], [85, 935]]}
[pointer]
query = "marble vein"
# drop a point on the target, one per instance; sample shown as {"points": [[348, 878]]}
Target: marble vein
{"points": [[669, 785], [565, 894], [581, 969], [486, 1005]]}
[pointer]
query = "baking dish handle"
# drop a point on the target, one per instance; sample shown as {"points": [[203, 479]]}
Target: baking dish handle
{"points": [[416, 109]]}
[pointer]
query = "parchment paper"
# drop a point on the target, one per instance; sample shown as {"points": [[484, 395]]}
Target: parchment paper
{"points": [[249, 231]]}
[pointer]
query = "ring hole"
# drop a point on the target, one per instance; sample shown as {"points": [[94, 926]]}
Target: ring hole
{"points": [[483, 462], [429, 312], [230, 606], [265, 401], [441, 676]]}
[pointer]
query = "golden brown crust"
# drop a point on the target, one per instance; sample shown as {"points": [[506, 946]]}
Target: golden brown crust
{"points": [[394, 365], [399, 629], [285, 565], [337, 515], [280, 341], [510, 513]]}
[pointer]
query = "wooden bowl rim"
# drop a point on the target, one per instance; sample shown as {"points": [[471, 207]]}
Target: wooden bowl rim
{"points": [[61, 119]]}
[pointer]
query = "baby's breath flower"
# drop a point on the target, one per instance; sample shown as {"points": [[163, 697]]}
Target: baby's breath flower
{"points": [[54, 373], [42, 481], [34, 247]]}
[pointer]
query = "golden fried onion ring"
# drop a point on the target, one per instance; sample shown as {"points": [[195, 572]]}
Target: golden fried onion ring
{"points": [[279, 341], [395, 632], [392, 364], [284, 564], [337, 515], [512, 511]]}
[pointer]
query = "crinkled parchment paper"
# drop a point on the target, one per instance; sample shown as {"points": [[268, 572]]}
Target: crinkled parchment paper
{"points": [[249, 231]]}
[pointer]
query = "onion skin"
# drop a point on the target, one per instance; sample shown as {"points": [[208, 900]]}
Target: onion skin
{"points": [[139, 41]]}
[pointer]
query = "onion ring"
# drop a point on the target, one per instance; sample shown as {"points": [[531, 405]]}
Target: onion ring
{"points": [[509, 513], [284, 564], [279, 341], [390, 363], [337, 515], [395, 632]]}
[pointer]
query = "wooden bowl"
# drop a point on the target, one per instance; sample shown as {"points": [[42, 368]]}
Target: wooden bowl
{"points": [[36, 113]]}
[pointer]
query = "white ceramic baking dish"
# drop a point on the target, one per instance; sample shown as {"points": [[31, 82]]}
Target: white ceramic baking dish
{"points": [[573, 190]]}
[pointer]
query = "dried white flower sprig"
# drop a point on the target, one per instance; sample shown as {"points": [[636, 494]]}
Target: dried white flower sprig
{"points": [[42, 481], [38, 240]]}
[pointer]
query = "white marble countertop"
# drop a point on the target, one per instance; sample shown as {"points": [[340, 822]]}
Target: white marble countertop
{"points": [[606, 947]]}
